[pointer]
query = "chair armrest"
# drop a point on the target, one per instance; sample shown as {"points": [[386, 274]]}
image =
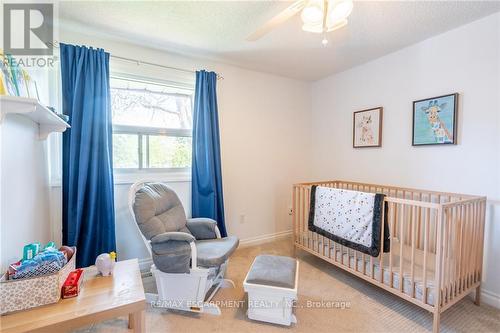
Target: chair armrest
{"points": [[203, 228], [172, 236], [174, 252]]}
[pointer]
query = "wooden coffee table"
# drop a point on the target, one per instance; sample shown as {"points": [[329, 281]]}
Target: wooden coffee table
{"points": [[101, 298]]}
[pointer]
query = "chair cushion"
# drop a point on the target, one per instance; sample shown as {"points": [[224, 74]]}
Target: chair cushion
{"points": [[213, 252], [157, 210], [202, 228], [172, 256], [276, 271]]}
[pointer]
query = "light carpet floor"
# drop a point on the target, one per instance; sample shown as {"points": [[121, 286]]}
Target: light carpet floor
{"points": [[330, 300]]}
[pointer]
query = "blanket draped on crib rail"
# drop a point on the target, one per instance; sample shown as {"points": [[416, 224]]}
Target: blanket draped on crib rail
{"points": [[350, 218]]}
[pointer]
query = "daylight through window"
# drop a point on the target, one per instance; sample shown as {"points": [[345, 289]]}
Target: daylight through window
{"points": [[152, 125]]}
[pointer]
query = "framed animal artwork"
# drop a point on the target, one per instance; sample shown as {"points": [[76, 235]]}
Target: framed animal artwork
{"points": [[367, 128], [435, 120]]}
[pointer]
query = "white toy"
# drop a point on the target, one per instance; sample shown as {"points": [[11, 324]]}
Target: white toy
{"points": [[105, 263]]}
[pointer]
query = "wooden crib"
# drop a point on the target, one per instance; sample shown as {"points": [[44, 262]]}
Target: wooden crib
{"points": [[436, 240]]}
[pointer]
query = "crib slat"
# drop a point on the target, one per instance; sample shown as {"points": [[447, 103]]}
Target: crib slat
{"points": [[445, 254], [413, 237], [461, 286], [349, 254], [310, 239], [426, 248], [393, 210], [304, 217], [450, 254], [456, 250], [453, 252], [356, 260], [299, 215], [478, 248], [419, 222], [330, 249], [401, 251], [439, 247], [382, 241], [294, 213], [482, 207], [326, 247], [470, 239], [316, 239], [471, 228], [467, 242], [372, 268], [446, 245], [475, 245]]}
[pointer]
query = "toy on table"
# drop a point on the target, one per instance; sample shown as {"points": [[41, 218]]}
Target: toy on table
{"points": [[105, 263], [73, 284], [68, 251]]}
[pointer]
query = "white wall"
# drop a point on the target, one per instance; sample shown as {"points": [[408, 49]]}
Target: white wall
{"points": [[24, 194], [465, 60], [24, 206], [264, 121]]}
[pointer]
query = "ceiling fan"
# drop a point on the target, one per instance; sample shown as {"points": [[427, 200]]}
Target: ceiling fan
{"points": [[318, 16]]}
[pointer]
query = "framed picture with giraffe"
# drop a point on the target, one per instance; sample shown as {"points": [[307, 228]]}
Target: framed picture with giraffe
{"points": [[435, 120]]}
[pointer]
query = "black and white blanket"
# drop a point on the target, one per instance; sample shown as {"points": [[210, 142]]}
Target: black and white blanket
{"points": [[350, 218]]}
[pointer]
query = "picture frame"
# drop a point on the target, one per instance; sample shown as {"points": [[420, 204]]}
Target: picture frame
{"points": [[435, 120], [367, 128]]}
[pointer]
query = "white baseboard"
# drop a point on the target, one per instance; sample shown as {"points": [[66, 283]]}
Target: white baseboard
{"points": [[488, 297], [145, 263], [257, 240]]}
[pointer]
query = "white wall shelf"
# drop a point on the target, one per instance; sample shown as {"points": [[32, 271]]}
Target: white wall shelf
{"points": [[47, 120]]}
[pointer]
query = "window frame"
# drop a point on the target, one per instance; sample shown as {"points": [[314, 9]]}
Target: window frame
{"points": [[142, 132], [180, 174]]}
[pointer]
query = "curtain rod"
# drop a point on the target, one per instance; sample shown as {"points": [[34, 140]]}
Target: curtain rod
{"points": [[139, 62]]}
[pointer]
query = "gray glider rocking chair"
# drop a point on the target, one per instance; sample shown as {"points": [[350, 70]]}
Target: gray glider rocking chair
{"points": [[189, 255]]}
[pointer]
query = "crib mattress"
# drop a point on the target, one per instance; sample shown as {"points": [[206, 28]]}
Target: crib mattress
{"points": [[348, 258]]}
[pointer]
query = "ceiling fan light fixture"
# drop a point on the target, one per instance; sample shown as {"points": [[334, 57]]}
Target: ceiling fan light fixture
{"points": [[317, 28], [340, 10], [336, 26], [313, 12]]}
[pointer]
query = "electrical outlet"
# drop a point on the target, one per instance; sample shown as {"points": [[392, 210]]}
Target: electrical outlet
{"points": [[243, 218], [290, 211]]}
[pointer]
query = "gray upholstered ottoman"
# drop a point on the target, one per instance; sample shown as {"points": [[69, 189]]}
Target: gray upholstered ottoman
{"points": [[271, 285]]}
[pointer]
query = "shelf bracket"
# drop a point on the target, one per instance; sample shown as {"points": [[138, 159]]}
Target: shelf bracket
{"points": [[45, 130]]}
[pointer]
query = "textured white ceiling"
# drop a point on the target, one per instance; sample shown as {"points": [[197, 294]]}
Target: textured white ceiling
{"points": [[217, 29]]}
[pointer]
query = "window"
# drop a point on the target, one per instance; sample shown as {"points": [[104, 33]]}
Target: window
{"points": [[152, 125]]}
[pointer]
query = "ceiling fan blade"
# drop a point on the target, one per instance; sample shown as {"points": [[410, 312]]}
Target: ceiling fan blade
{"points": [[285, 15]]}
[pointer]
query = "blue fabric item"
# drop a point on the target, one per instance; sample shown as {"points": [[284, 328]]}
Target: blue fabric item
{"points": [[87, 184], [206, 185]]}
